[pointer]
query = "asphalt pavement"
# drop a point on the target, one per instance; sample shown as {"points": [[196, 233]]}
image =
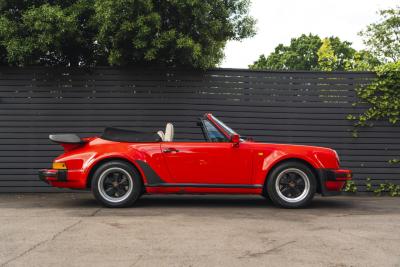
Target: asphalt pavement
{"points": [[72, 229]]}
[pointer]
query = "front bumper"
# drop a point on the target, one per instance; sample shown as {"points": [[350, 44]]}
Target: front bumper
{"points": [[53, 175], [333, 180]]}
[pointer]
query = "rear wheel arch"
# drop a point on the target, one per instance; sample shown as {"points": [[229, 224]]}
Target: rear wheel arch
{"points": [[276, 164], [105, 160]]}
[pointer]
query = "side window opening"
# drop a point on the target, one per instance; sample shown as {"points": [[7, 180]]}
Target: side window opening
{"points": [[213, 134], [203, 131]]}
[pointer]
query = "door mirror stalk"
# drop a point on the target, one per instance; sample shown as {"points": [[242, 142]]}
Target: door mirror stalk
{"points": [[235, 140]]}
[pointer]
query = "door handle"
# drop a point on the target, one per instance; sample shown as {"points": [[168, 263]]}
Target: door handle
{"points": [[170, 150]]}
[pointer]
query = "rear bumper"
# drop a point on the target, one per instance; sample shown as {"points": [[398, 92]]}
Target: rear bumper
{"points": [[53, 175], [63, 178], [333, 180]]}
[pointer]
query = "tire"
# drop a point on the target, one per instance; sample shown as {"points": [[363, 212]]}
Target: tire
{"points": [[116, 184], [291, 185]]}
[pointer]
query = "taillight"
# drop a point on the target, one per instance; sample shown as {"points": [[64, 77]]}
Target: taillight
{"points": [[59, 166]]}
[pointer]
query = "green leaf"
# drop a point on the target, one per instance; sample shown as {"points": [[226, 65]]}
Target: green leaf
{"points": [[190, 33]]}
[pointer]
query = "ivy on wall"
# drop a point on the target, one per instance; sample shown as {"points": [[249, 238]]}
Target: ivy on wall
{"points": [[382, 95]]}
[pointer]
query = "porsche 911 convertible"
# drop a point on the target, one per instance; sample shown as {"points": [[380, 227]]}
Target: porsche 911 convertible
{"points": [[121, 165]]}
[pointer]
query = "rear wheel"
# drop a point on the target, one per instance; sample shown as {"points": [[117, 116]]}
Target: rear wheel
{"points": [[116, 184], [291, 185]]}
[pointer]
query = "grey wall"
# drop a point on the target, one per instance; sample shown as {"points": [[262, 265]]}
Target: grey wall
{"points": [[278, 107]]}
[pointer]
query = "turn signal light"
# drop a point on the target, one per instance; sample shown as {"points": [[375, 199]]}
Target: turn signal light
{"points": [[59, 166]]}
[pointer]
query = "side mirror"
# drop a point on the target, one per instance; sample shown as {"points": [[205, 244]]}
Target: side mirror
{"points": [[235, 139]]}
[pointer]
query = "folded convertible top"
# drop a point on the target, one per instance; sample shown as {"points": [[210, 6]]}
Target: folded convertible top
{"points": [[122, 135]]}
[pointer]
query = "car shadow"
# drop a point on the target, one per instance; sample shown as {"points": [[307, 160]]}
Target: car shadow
{"points": [[210, 201], [207, 201], [85, 200], [84, 204], [248, 202]]}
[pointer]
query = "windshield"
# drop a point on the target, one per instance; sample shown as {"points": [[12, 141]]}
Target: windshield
{"points": [[224, 126]]}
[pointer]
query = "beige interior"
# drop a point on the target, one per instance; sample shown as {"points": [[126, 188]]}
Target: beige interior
{"points": [[169, 133], [168, 136]]}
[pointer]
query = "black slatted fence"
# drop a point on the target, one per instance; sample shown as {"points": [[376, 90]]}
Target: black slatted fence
{"points": [[277, 107]]}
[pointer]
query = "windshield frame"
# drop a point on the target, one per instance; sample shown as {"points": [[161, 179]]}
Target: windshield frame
{"points": [[225, 129]]}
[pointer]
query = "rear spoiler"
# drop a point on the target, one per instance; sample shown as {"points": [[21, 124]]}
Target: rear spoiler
{"points": [[68, 141]]}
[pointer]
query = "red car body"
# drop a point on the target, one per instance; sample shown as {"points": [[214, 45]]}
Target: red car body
{"points": [[235, 167]]}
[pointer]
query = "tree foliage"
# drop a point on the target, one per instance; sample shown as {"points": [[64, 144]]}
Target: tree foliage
{"points": [[327, 60], [383, 37], [304, 53], [301, 54], [383, 94], [343, 52], [362, 60], [120, 32]]}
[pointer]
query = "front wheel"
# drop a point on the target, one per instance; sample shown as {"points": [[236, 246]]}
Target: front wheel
{"points": [[291, 185], [116, 184]]}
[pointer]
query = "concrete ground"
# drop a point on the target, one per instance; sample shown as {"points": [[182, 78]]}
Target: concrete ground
{"points": [[73, 230]]}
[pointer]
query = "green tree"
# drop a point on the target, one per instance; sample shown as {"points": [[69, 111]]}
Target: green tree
{"points": [[42, 34], [383, 37], [327, 60], [362, 61], [343, 52], [120, 32], [302, 54]]}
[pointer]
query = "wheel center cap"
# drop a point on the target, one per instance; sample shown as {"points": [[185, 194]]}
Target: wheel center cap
{"points": [[292, 184], [115, 184]]}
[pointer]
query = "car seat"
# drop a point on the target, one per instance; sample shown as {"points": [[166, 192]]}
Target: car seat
{"points": [[169, 133]]}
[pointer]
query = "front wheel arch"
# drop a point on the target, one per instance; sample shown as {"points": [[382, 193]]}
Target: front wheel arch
{"points": [[277, 164], [295, 190]]}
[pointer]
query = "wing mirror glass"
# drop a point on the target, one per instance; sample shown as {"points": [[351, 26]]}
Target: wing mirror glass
{"points": [[235, 139]]}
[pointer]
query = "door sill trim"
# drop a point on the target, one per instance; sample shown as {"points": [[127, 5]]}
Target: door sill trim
{"points": [[251, 186]]}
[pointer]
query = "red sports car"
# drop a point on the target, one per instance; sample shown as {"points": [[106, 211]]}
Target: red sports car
{"points": [[122, 165]]}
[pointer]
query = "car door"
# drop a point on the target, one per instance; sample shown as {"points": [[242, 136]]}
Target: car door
{"points": [[207, 163]]}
